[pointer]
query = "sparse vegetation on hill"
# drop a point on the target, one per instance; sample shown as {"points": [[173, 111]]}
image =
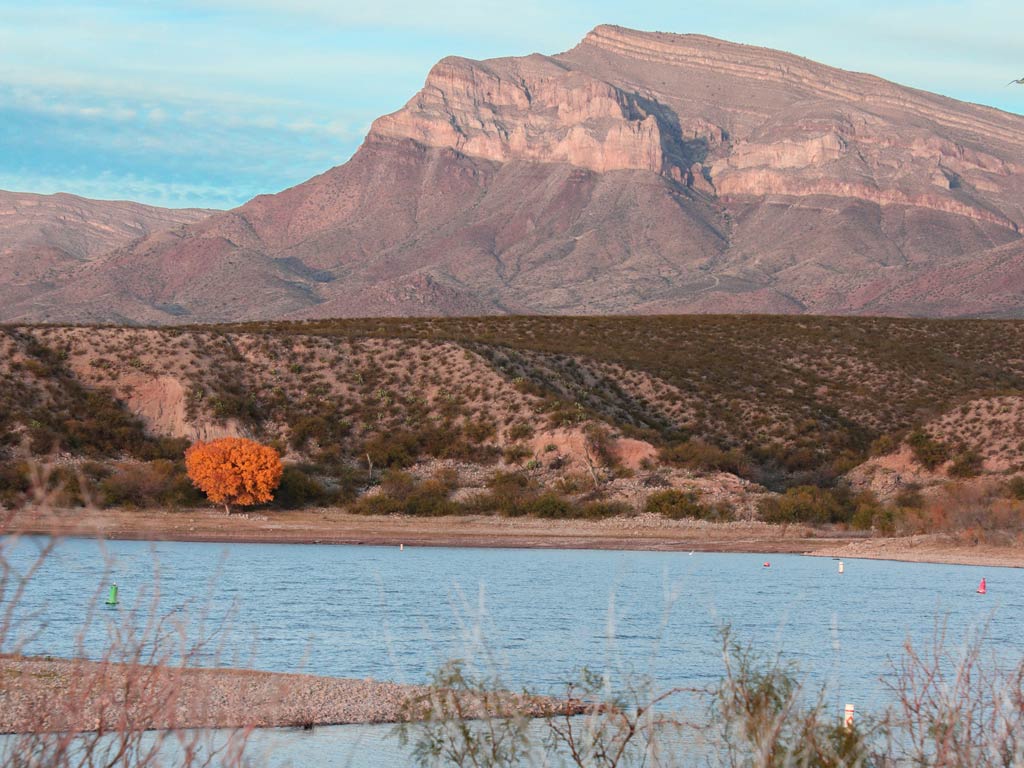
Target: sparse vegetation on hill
{"points": [[787, 402], [796, 399]]}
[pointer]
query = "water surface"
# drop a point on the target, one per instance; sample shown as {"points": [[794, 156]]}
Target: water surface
{"points": [[533, 616]]}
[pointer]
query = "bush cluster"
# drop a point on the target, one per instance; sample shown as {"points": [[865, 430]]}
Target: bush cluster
{"points": [[444, 441], [927, 450], [159, 483], [967, 463], [305, 485], [806, 504], [403, 494], [679, 505], [700, 455]]}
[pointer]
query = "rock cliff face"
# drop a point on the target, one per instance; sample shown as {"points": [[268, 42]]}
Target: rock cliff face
{"points": [[530, 109], [638, 172]]}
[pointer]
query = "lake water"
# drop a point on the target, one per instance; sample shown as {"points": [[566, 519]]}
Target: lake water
{"points": [[533, 616]]}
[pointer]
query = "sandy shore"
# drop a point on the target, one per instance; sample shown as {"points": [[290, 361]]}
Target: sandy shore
{"points": [[934, 548], [39, 695], [642, 532], [333, 526]]}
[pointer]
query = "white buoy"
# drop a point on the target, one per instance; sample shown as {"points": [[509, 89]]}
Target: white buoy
{"points": [[840, 566], [401, 547], [848, 716]]}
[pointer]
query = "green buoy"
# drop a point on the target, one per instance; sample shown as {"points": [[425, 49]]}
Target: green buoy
{"points": [[112, 597]]}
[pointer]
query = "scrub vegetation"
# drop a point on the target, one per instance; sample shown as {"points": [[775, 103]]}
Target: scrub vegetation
{"points": [[788, 404]]}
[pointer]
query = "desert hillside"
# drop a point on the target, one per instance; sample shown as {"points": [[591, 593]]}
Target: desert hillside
{"points": [[639, 173], [44, 238], [728, 413]]}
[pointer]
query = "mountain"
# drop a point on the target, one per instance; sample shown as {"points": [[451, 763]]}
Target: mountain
{"points": [[46, 239], [636, 173]]}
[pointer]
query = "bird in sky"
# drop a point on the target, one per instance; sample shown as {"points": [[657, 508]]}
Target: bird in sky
{"points": [[1016, 82]]}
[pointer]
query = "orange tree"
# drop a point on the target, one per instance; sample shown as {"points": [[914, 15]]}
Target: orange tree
{"points": [[234, 470]]}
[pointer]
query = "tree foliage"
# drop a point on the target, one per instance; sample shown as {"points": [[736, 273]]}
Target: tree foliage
{"points": [[234, 470]]}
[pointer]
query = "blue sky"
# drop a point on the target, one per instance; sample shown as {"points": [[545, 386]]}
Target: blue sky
{"points": [[209, 102]]}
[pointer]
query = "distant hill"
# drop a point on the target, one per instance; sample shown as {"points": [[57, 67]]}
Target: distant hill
{"points": [[47, 240], [636, 173]]}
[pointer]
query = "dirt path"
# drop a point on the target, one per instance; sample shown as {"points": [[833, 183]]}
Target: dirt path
{"points": [[643, 532]]}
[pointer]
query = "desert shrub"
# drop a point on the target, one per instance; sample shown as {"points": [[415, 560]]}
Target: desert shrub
{"points": [[507, 491], [376, 504], [310, 428], [599, 444], [574, 483], [520, 431], [927, 450], [402, 493], [882, 445], [66, 487], [910, 497], [397, 484], [547, 505], [697, 454], [478, 431], [870, 514], [563, 414], [15, 483], [444, 441], [430, 499], [676, 504], [149, 484], [804, 504], [398, 449], [968, 463], [1015, 488], [171, 448], [515, 453], [231, 400], [299, 487]]}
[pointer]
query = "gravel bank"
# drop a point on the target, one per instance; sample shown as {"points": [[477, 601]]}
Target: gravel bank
{"points": [[45, 695]]}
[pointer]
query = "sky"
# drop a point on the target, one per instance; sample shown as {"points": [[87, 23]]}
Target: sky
{"points": [[207, 103]]}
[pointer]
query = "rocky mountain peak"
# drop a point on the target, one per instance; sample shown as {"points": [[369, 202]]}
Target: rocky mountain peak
{"points": [[638, 172]]}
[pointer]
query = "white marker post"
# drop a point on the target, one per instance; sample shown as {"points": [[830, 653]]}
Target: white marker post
{"points": [[848, 717], [841, 566]]}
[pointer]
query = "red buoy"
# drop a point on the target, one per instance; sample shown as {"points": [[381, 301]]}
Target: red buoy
{"points": [[982, 589], [767, 564]]}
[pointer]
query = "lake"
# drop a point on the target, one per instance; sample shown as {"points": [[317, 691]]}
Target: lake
{"points": [[533, 616]]}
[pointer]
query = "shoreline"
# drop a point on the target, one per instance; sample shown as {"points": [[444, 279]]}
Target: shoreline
{"points": [[40, 695], [641, 533]]}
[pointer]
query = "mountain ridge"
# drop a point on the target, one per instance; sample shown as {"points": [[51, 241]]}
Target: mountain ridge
{"points": [[635, 173]]}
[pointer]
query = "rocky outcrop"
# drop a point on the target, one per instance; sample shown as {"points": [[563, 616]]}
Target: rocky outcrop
{"points": [[636, 173], [533, 110]]}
